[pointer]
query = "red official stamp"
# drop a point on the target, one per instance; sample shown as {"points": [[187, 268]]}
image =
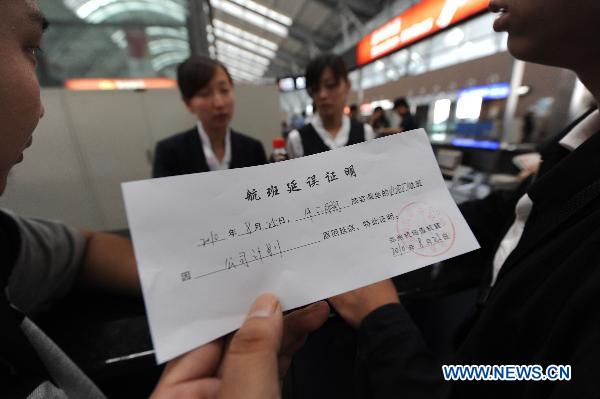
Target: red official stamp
{"points": [[425, 230]]}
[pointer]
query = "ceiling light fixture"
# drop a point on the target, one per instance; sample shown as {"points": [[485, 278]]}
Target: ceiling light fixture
{"points": [[252, 17]]}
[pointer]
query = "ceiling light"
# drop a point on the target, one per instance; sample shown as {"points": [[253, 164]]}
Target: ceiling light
{"points": [[96, 11], [167, 45], [250, 16], [267, 12], [242, 34], [180, 33]]}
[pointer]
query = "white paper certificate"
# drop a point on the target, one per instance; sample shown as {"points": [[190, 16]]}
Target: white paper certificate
{"points": [[306, 229]]}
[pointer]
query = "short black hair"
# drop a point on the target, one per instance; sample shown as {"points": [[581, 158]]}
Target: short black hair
{"points": [[354, 107], [378, 109], [317, 65], [401, 102], [195, 73]]}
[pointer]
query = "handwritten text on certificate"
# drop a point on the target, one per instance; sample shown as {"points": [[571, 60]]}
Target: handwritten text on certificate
{"points": [[305, 229]]}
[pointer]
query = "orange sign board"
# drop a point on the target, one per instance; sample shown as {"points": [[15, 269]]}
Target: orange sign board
{"points": [[119, 84], [419, 21]]}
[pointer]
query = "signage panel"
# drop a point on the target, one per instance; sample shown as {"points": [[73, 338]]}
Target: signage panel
{"points": [[422, 20], [119, 84]]}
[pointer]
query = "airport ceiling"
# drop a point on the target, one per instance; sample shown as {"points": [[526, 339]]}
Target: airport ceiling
{"points": [[256, 38]]}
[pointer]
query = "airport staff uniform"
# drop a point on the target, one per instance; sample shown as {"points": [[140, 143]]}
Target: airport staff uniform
{"points": [[313, 138], [191, 152]]}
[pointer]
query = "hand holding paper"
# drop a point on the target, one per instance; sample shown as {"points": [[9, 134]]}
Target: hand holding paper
{"points": [[305, 229], [355, 305], [257, 356]]}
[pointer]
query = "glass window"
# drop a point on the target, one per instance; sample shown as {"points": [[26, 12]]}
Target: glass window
{"points": [[113, 38]]}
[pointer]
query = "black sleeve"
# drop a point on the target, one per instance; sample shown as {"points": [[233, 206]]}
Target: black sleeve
{"points": [[163, 164], [408, 123], [393, 360], [261, 156], [489, 219]]}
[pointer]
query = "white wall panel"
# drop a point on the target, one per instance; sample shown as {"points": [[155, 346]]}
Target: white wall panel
{"points": [[113, 133], [52, 182], [166, 113], [257, 113], [90, 142]]}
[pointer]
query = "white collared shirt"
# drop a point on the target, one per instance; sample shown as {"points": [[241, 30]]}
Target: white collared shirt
{"points": [[294, 141], [576, 137], [211, 159]]}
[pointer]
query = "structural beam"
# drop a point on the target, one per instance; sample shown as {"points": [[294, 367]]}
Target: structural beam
{"points": [[305, 36], [197, 22]]}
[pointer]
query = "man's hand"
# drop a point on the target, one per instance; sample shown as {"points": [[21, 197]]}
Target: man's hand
{"points": [[258, 354], [355, 305], [109, 265]]}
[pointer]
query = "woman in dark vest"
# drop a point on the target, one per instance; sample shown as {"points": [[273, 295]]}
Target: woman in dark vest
{"points": [[207, 90], [328, 84]]}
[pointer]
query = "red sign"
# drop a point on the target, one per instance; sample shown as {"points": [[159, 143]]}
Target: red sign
{"points": [[422, 20], [120, 84]]}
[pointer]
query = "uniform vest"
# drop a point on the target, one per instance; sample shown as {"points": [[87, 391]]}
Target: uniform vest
{"points": [[313, 144]]}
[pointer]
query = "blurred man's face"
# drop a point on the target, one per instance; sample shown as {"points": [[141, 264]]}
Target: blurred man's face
{"points": [[552, 32], [21, 27]]}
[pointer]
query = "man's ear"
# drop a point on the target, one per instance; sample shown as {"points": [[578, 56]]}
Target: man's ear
{"points": [[188, 105]]}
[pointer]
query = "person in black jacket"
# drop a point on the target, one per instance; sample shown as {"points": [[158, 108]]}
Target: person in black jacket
{"points": [[541, 249], [407, 120], [403, 109], [207, 89]]}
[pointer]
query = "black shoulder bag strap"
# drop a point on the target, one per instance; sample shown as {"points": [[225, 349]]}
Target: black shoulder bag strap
{"points": [[21, 370]]}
